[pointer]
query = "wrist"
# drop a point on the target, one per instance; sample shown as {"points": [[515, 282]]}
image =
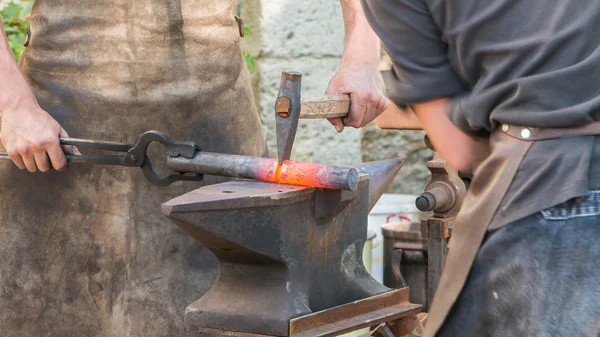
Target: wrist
{"points": [[15, 93], [13, 101], [357, 55], [362, 45], [360, 62]]}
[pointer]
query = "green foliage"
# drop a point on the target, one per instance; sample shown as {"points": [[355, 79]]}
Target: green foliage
{"points": [[247, 31], [15, 18], [250, 63]]}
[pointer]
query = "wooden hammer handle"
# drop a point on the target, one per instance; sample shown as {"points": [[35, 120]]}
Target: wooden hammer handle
{"points": [[325, 106], [331, 106]]}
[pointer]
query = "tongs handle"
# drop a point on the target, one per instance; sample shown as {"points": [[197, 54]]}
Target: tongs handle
{"points": [[92, 144], [97, 144]]}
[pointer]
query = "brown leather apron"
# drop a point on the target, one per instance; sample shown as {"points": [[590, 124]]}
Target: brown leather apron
{"points": [[491, 180], [88, 252]]}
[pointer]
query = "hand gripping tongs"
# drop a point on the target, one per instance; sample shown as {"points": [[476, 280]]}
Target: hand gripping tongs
{"points": [[135, 155]]}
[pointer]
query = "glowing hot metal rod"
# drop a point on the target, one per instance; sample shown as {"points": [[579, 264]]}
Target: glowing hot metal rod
{"points": [[265, 169]]}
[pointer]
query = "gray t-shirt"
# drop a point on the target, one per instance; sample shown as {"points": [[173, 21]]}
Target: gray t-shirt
{"points": [[520, 62]]}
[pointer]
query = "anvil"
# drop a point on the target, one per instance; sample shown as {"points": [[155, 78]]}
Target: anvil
{"points": [[290, 257]]}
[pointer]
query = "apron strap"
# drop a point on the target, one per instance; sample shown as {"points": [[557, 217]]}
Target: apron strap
{"points": [[526, 133]]}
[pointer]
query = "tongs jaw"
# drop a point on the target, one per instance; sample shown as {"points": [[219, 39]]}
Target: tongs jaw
{"points": [[137, 155]]}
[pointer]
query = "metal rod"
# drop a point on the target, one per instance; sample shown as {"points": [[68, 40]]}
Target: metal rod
{"points": [[267, 169]]}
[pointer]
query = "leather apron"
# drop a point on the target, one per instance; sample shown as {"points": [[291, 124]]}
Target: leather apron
{"points": [[490, 183], [87, 252]]}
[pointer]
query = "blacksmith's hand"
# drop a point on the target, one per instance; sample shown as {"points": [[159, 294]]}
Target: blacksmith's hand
{"points": [[30, 136], [365, 86]]}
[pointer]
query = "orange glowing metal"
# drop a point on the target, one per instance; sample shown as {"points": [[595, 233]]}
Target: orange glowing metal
{"points": [[268, 169], [296, 173]]}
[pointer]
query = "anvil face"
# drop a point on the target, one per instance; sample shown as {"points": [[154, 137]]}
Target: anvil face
{"points": [[284, 252]]}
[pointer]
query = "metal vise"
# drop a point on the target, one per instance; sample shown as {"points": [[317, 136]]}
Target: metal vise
{"points": [[290, 257]]}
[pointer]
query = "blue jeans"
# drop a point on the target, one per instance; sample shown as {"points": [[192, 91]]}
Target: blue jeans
{"points": [[538, 276]]}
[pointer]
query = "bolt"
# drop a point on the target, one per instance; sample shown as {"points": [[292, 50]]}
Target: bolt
{"points": [[133, 157], [425, 202], [282, 107]]}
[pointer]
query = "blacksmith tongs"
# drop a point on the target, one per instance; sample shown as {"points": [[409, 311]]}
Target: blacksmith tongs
{"points": [[135, 155]]}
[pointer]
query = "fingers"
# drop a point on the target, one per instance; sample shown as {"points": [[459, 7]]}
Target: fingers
{"points": [[374, 108], [69, 149], [364, 108], [337, 123], [26, 154], [57, 157], [41, 161], [43, 154], [16, 158], [31, 139], [358, 109], [12, 153]]}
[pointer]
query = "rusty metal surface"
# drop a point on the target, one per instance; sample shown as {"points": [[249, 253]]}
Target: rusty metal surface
{"points": [[396, 260], [445, 192], [267, 169], [364, 313], [413, 264], [287, 113], [381, 173], [225, 333], [237, 195], [444, 195], [282, 107], [409, 326], [437, 231], [284, 251]]}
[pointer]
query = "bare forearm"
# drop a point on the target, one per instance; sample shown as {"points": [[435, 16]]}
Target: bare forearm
{"points": [[13, 88], [358, 74], [456, 147], [362, 44]]}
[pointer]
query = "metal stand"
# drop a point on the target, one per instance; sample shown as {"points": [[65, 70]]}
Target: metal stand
{"points": [[443, 195]]}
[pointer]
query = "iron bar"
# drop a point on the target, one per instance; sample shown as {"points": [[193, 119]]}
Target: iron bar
{"points": [[267, 169]]}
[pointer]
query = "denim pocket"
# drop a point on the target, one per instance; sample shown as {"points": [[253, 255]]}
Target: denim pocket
{"points": [[585, 206]]}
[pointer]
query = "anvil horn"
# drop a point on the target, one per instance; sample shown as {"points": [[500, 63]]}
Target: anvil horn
{"points": [[381, 173]]}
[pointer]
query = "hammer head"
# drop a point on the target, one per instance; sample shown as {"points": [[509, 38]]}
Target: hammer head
{"points": [[287, 113]]}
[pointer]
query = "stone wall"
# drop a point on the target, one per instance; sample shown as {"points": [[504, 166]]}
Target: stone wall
{"points": [[308, 36]]}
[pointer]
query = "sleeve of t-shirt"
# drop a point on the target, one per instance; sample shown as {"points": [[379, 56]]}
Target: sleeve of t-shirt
{"points": [[421, 69]]}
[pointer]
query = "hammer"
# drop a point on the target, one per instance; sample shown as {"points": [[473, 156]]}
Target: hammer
{"points": [[290, 107]]}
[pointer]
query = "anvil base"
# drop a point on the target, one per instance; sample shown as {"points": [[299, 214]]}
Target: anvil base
{"points": [[372, 311]]}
